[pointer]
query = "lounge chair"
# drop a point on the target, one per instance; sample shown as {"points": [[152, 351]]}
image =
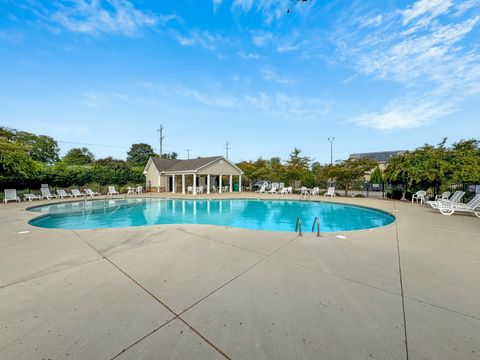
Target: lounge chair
{"points": [[91, 193], [289, 190], [139, 190], [330, 191], [456, 197], [315, 191], [283, 191], [31, 197], [63, 194], [10, 195], [262, 188], [112, 191], [189, 189], [77, 193], [419, 195], [273, 190], [46, 194], [448, 208]]}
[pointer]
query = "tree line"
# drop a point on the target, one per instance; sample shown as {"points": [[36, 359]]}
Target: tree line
{"points": [[28, 160]]}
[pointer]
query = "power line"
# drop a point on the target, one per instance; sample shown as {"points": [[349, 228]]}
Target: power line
{"points": [[161, 139], [227, 147]]}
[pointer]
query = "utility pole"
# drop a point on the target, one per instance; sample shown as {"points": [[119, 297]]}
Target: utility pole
{"points": [[227, 147], [188, 153], [331, 149], [161, 139]]}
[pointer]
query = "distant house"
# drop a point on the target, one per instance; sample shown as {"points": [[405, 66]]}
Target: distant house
{"points": [[169, 175], [380, 158]]}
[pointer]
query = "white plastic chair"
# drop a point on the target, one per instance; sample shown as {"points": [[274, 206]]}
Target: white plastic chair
{"points": [[91, 193], [262, 188], [10, 195], [189, 189], [419, 195], [330, 191], [455, 198], [443, 196], [139, 190], [304, 191], [31, 197], [315, 191], [273, 190], [46, 194], [112, 191]]}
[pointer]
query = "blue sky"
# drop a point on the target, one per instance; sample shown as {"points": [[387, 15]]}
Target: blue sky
{"points": [[265, 75]]}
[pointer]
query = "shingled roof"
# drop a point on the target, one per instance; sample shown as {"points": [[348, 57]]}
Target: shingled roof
{"points": [[182, 165], [379, 157]]}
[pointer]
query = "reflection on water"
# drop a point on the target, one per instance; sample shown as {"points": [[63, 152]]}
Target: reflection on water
{"points": [[275, 215]]}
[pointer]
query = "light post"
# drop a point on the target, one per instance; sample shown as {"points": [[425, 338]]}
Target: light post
{"points": [[331, 149], [331, 139]]}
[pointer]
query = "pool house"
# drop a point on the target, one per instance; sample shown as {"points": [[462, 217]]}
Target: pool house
{"points": [[200, 175]]}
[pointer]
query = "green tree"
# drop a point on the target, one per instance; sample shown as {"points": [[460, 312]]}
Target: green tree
{"points": [[376, 176], [16, 165], [347, 171], [298, 167], [173, 155], [78, 156], [139, 154], [39, 147]]}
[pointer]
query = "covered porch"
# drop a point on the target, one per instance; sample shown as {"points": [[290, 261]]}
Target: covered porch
{"points": [[198, 183]]}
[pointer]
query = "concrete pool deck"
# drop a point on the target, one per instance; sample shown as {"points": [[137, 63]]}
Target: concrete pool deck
{"points": [[409, 290]]}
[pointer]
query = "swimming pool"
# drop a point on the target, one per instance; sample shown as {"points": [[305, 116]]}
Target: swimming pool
{"points": [[272, 215]]}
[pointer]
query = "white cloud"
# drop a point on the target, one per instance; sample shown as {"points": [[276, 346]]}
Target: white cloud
{"points": [[270, 74], [205, 39], [216, 4], [249, 55], [432, 60], [261, 38], [114, 16]]}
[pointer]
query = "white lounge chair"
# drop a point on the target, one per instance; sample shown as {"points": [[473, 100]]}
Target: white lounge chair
{"points": [[91, 193], [10, 195], [63, 194], [112, 191], [262, 188], [448, 208], [46, 194], [189, 189], [273, 190], [456, 197], [330, 191], [31, 197], [199, 189], [315, 191], [283, 191], [139, 190], [289, 190], [419, 195], [76, 193]]}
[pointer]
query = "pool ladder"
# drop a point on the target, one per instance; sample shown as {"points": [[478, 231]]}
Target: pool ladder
{"points": [[298, 226]]}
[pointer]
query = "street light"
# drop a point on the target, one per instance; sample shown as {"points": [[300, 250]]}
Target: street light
{"points": [[331, 149]]}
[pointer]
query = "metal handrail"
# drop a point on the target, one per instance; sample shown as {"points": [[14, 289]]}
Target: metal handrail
{"points": [[316, 221], [298, 226]]}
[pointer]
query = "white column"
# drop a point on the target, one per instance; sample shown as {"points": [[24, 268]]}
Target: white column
{"points": [[173, 183], [208, 184], [194, 192], [230, 185], [239, 183], [158, 182], [183, 184], [220, 184]]}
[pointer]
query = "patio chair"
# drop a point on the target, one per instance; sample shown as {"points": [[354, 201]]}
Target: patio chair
{"points": [[112, 191], [76, 193], [283, 191], [419, 195], [10, 195], [273, 190], [315, 191], [139, 190], [455, 198], [289, 190], [304, 191], [473, 206], [131, 190], [189, 189], [262, 188], [63, 194], [330, 191], [443, 196], [91, 193], [31, 197], [200, 190], [46, 194]]}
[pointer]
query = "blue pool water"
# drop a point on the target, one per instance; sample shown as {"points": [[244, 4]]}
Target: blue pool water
{"points": [[274, 215]]}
